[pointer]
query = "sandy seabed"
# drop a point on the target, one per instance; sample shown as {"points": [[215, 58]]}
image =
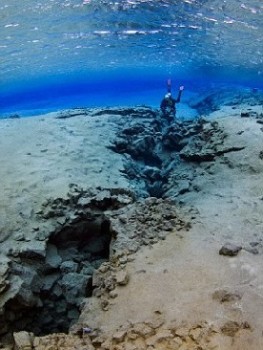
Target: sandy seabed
{"points": [[181, 293]]}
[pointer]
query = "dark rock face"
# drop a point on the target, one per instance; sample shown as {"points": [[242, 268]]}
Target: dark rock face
{"points": [[49, 278], [157, 149], [42, 286]]}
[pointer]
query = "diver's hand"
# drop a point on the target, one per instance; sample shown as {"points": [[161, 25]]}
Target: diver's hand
{"points": [[181, 88]]}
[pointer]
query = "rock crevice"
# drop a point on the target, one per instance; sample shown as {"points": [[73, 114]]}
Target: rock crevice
{"points": [[81, 248]]}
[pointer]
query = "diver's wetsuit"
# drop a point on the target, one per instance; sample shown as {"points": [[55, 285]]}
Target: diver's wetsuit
{"points": [[168, 104]]}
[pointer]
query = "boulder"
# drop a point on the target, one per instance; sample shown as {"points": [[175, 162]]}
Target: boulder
{"points": [[57, 291], [98, 278], [34, 250], [69, 266], [87, 269], [30, 277], [230, 249], [122, 278], [26, 298], [53, 259], [75, 285], [49, 281], [119, 336], [23, 340]]}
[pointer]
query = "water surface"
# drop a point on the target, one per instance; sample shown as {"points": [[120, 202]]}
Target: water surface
{"points": [[58, 54]]}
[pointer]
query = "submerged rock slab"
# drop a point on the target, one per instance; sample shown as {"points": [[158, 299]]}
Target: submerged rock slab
{"points": [[214, 99], [207, 155], [93, 112]]}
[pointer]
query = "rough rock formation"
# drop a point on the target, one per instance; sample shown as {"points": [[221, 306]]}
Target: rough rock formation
{"points": [[213, 99], [82, 243], [151, 334], [161, 155], [230, 249]]}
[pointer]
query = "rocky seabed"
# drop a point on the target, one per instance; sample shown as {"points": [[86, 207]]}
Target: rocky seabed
{"points": [[84, 241]]}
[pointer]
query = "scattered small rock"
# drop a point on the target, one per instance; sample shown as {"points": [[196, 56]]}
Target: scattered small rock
{"points": [[122, 278], [23, 340], [113, 294], [251, 250], [230, 249], [119, 336], [224, 296]]}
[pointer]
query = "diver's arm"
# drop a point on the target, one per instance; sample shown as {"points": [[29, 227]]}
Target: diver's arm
{"points": [[169, 85], [179, 94]]}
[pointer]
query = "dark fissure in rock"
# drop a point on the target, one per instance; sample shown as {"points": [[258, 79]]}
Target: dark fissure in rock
{"points": [[160, 152], [48, 278], [52, 280], [54, 287]]}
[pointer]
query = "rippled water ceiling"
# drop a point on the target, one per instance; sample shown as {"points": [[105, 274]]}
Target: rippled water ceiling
{"points": [[51, 36]]}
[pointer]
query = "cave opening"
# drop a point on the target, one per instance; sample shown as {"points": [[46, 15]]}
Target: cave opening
{"points": [[57, 285]]}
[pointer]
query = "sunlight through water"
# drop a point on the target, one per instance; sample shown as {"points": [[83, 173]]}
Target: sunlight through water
{"points": [[103, 43]]}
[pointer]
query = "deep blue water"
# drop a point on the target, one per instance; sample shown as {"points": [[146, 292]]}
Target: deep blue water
{"points": [[87, 53]]}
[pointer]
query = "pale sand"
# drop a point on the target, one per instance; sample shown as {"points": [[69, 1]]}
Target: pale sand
{"points": [[41, 156], [181, 273]]}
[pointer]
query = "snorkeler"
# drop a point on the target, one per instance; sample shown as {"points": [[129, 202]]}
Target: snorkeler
{"points": [[168, 104]]}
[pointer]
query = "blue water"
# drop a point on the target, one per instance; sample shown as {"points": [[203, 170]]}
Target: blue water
{"points": [[87, 53]]}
